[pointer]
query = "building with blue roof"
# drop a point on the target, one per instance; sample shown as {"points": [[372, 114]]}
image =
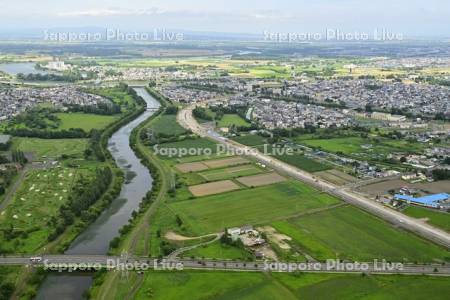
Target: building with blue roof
{"points": [[433, 201]]}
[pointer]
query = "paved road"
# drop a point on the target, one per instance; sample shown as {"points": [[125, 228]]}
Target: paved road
{"points": [[144, 263], [186, 119]]}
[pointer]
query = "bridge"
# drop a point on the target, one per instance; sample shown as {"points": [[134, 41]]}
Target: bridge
{"points": [[73, 263]]}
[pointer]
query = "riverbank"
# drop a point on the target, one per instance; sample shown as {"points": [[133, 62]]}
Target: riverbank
{"points": [[30, 280]]}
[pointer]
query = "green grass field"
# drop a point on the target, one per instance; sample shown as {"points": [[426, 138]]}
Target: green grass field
{"points": [[49, 147], [87, 122], [353, 145], [198, 144], [250, 140], [250, 206], [218, 250], [349, 286], [302, 162], [438, 219], [281, 286], [349, 233], [167, 124], [210, 285], [232, 119], [232, 172]]}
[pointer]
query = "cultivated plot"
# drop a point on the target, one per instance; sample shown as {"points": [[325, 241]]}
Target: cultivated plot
{"points": [[225, 162], [336, 177], [233, 172], [349, 233], [213, 188], [250, 206], [191, 167], [262, 179]]}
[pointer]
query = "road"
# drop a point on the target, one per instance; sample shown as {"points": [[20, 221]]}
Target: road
{"points": [[145, 263], [186, 119]]}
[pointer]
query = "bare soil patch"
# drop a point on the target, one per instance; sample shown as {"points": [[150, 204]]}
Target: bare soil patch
{"points": [[336, 177], [211, 188], [191, 167], [225, 162], [262, 179], [275, 237]]}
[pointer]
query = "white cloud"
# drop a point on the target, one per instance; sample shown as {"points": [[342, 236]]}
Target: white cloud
{"points": [[112, 12]]}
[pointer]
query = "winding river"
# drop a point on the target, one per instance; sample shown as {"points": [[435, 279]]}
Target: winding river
{"points": [[95, 239]]}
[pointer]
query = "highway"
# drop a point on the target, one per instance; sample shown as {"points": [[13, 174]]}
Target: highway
{"points": [[76, 263], [186, 119]]}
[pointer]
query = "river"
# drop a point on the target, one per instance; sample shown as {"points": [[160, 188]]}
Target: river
{"points": [[24, 68], [95, 239]]}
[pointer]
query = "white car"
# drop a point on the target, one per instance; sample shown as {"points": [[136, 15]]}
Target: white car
{"points": [[36, 259]]}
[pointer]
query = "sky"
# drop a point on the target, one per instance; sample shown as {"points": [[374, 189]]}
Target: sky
{"points": [[407, 17]]}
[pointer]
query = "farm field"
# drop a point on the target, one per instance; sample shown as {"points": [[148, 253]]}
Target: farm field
{"points": [[250, 140], [50, 148], [202, 146], [251, 206], [87, 122], [261, 179], [349, 233], [38, 198], [438, 219], [198, 285], [210, 164], [280, 286], [353, 145], [212, 188], [336, 177], [374, 287], [225, 162], [167, 124], [232, 119], [232, 172], [191, 167], [302, 162]]}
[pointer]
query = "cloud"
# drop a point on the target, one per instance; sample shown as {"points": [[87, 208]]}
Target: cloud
{"points": [[112, 12]]}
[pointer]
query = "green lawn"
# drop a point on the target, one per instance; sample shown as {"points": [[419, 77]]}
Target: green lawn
{"points": [[438, 219], [232, 172], [349, 233], [232, 119], [49, 147], [87, 122], [250, 206], [167, 124]]}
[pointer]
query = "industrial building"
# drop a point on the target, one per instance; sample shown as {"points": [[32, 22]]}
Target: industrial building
{"points": [[432, 201]]}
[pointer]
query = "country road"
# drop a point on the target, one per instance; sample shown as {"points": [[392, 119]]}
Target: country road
{"points": [[186, 119]]}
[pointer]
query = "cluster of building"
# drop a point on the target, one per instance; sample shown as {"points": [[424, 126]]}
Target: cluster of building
{"points": [[419, 99], [13, 101], [186, 95], [111, 73], [281, 114], [411, 62]]}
